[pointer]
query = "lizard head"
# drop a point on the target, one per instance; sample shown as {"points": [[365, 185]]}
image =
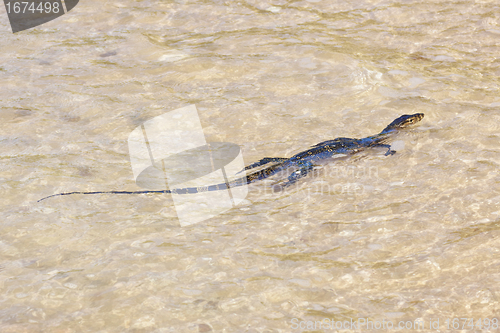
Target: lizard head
{"points": [[404, 121]]}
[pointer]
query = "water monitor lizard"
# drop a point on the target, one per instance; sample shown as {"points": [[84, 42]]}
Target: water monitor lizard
{"points": [[303, 161]]}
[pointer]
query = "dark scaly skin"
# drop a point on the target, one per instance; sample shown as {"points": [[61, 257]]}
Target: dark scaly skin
{"points": [[304, 161]]}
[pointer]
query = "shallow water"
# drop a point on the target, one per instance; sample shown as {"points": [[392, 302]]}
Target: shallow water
{"points": [[400, 238]]}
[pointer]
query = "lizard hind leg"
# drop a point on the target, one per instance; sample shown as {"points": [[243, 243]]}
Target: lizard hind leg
{"points": [[263, 161], [304, 169]]}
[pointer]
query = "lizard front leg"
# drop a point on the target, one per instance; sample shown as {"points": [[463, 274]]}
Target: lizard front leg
{"points": [[389, 151]]}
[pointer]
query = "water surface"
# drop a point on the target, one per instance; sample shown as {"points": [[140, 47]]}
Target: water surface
{"points": [[400, 238]]}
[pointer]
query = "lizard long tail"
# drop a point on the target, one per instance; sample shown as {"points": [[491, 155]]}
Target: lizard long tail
{"points": [[267, 172]]}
